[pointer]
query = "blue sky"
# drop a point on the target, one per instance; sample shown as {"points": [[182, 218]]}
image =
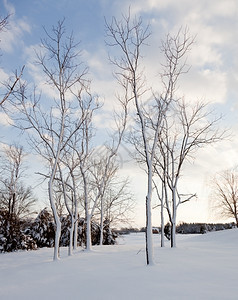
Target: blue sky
{"points": [[213, 76]]}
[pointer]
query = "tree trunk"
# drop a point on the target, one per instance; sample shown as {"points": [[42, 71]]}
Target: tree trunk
{"points": [[149, 237], [236, 221], [88, 233], [173, 234], [56, 219], [71, 234], [75, 242], [162, 223], [173, 223], [101, 224], [88, 217]]}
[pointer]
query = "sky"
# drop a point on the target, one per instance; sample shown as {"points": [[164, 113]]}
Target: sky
{"points": [[213, 76]]}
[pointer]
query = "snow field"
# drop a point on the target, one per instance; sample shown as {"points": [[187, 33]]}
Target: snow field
{"points": [[201, 267]]}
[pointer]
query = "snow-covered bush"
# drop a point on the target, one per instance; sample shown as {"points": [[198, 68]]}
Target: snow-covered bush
{"points": [[42, 229], [38, 233], [12, 235], [190, 228], [109, 236]]}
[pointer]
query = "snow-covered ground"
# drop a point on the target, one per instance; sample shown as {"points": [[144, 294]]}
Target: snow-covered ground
{"points": [[201, 267]]}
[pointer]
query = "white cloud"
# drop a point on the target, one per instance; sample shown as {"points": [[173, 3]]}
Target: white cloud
{"points": [[38, 77], [12, 36], [206, 85], [3, 75], [9, 7], [5, 120]]}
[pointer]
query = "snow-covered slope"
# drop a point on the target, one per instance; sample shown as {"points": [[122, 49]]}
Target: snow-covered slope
{"points": [[201, 267]]}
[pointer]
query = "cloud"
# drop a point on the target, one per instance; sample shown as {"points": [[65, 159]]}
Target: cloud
{"points": [[37, 76], [9, 7], [17, 27], [206, 85], [3, 76], [5, 120]]}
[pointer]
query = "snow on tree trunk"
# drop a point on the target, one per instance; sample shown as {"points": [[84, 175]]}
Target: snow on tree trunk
{"points": [[173, 234], [50, 188], [88, 216], [149, 234], [173, 223], [162, 222], [57, 240], [71, 234], [56, 217], [101, 234], [101, 224], [88, 233], [75, 242]]}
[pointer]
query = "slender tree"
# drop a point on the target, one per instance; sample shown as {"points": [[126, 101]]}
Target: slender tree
{"points": [[10, 86], [15, 197], [49, 121], [118, 202], [186, 129], [129, 36], [225, 198]]}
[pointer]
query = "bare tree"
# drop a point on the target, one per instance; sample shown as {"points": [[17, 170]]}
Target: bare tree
{"points": [[70, 192], [81, 151], [187, 128], [161, 193], [10, 86], [225, 198], [99, 178], [100, 181], [49, 126], [118, 202], [15, 197], [130, 36]]}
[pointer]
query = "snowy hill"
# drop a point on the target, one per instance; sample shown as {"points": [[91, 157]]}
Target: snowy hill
{"points": [[201, 267]]}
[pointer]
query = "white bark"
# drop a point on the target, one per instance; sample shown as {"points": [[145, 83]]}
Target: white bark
{"points": [[75, 242], [88, 216], [63, 71], [162, 222], [88, 232], [50, 188], [75, 239], [71, 234], [101, 222], [56, 218], [173, 228], [149, 234]]}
